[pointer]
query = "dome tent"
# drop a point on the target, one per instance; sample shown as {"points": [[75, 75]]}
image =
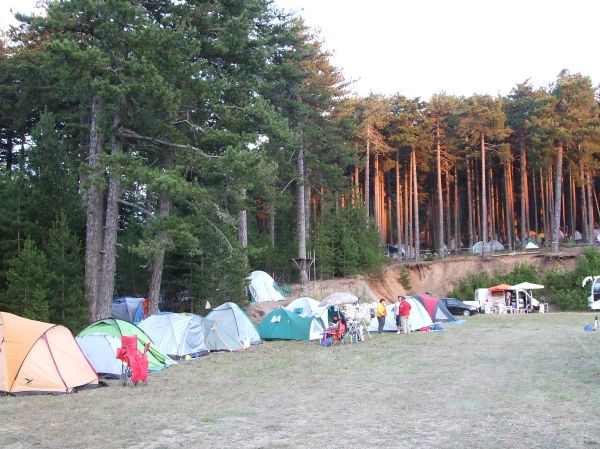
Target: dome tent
{"points": [[281, 324], [263, 288], [233, 320], [176, 334], [100, 353], [436, 309], [38, 357], [128, 309]]}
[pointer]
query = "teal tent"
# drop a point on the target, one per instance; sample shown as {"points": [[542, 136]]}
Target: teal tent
{"points": [[282, 324]]}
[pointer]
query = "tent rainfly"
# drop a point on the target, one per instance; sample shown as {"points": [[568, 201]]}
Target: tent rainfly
{"points": [[37, 357], [176, 334], [492, 245], [263, 288], [308, 307], [234, 321], [100, 353], [128, 309], [281, 324], [436, 309]]}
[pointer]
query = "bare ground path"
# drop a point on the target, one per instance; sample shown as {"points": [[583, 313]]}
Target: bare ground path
{"points": [[529, 381]]}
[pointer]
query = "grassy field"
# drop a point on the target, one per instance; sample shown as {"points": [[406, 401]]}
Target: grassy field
{"points": [[493, 382]]}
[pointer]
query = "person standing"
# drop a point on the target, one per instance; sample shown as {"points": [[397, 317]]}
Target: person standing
{"points": [[397, 314], [404, 312], [381, 314]]}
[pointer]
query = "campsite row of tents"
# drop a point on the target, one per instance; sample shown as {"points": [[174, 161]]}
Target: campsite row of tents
{"points": [[38, 357]]}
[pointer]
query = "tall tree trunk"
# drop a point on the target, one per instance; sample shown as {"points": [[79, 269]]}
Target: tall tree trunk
{"points": [[416, 207], [590, 202], [111, 226], [407, 210], [272, 225], [398, 201], [367, 174], [307, 202], [94, 212], [524, 193], [470, 203], [583, 200], [440, 198], [557, 198], [484, 213], [301, 217], [509, 238], [376, 203], [572, 224], [535, 203], [457, 233], [447, 208]]}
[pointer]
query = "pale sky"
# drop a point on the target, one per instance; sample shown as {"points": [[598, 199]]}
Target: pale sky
{"points": [[461, 47]]}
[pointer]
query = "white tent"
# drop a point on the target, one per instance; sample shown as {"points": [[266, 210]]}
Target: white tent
{"points": [[101, 350], [176, 334], [577, 235], [235, 322], [308, 307], [218, 339], [526, 286], [262, 287], [531, 245], [492, 245], [418, 318]]}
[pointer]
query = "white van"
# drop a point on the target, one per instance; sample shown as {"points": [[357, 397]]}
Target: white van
{"points": [[594, 297]]}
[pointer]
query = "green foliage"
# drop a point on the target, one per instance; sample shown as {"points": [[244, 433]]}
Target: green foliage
{"points": [[465, 290], [345, 244], [28, 290], [520, 273], [67, 304], [564, 288], [404, 279]]}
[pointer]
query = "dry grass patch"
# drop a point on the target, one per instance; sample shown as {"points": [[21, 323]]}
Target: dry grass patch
{"points": [[493, 382]]}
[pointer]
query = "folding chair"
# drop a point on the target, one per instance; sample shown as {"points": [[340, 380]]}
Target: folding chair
{"points": [[135, 363]]}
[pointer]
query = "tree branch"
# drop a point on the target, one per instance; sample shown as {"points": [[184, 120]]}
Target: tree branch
{"points": [[128, 133], [223, 236], [138, 208]]}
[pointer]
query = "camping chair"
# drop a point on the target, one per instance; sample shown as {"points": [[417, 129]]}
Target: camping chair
{"points": [[334, 334], [135, 363]]}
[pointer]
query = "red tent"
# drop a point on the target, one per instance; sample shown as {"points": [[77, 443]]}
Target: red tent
{"points": [[436, 309]]}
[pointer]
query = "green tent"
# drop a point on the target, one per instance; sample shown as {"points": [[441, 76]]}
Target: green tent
{"points": [[116, 328], [282, 324]]}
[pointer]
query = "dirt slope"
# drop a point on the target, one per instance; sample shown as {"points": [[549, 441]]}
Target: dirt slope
{"points": [[437, 277]]}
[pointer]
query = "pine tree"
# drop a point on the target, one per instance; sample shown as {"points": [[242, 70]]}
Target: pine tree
{"points": [[67, 304], [28, 285]]}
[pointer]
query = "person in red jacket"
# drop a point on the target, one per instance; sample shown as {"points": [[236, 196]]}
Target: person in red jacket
{"points": [[403, 314]]}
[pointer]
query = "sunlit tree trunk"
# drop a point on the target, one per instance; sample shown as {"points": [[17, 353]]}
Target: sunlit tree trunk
{"points": [[94, 212], [557, 198], [484, 211], [416, 207]]}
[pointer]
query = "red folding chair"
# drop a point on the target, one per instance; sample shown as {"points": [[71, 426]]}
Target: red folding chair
{"points": [[135, 363]]}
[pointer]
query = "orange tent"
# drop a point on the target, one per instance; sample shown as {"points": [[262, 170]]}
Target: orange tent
{"points": [[499, 288], [37, 357]]}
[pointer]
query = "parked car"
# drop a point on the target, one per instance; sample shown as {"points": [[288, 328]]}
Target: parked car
{"points": [[457, 307]]}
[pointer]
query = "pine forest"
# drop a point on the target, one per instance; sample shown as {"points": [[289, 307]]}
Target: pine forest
{"points": [[165, 149]]}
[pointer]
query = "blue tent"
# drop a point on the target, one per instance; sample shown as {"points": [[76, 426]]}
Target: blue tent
{"points": [[128, 309]]}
